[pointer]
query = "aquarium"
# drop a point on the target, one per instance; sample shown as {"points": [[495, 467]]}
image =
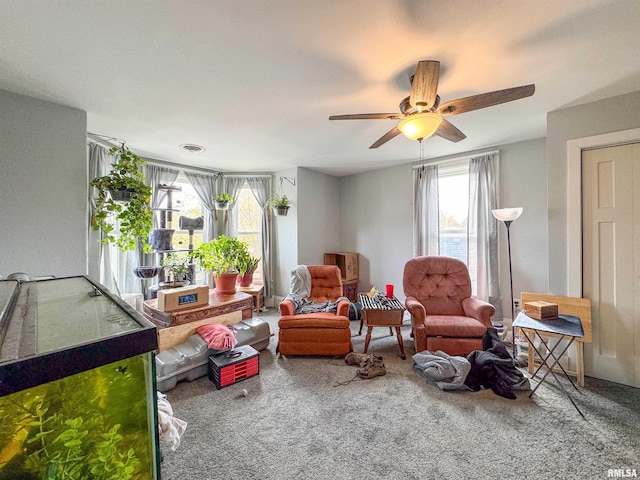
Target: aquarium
{"points": [[77, 383]]}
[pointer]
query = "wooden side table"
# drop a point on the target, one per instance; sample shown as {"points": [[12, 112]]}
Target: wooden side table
{"points": [[256, 292], [378, 314]]}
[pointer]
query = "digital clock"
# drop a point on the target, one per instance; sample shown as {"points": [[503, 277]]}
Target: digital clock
{"points": [[184, 297]]}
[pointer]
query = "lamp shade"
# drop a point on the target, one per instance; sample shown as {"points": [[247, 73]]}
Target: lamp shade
{"points": [[507, 214], [420, 125]]}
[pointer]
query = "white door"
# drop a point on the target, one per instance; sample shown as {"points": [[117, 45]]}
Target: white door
{"points": [[611, 261]]}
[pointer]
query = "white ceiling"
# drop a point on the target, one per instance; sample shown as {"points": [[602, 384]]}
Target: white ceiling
{"points": [[254, 81]]}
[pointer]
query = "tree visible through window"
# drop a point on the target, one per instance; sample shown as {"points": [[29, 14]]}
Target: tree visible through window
{"points": [[249, 226]]}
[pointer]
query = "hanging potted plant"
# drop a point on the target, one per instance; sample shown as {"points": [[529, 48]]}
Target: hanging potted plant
{"points": [[123, 200], [280, 204], [221, 257], [246, 266], [177, 266], [222, 201]]}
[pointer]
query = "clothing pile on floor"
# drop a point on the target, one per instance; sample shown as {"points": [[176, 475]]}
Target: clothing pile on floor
{"points": [[492, 367]]}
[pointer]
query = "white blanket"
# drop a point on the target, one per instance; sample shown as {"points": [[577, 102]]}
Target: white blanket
{"points": [[170, 428], [300, 281]]}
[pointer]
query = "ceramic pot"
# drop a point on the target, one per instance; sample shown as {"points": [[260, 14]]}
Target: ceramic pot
{"points": [[124, 196], [245, 280], [281, 211], [226, 283]]}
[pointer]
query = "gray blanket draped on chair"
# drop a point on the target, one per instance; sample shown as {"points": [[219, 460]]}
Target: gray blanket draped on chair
{"points": [[300, 290]]}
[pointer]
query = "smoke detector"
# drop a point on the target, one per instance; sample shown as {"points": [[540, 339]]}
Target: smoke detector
{"points": [[192, 148]]}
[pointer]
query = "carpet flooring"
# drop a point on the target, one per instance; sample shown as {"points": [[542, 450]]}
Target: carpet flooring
{"points": [[295, 423]]}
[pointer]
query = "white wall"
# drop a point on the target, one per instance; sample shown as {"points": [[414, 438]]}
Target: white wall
{"points": [[43, 187], [606, 116], [377, 220]]}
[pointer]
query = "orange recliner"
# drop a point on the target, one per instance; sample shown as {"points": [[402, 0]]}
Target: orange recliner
{"points": [[444, 315], [321, 333]]}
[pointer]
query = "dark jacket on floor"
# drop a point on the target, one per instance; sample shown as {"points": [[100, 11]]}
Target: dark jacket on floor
{"points": [[493, 368]]}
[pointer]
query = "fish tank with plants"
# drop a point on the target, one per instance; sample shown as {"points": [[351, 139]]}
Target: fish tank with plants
{"points": [[77, 383]]}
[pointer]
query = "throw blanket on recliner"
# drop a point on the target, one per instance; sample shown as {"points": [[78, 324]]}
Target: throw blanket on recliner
{"points": [[303, 305], [300, 281]]}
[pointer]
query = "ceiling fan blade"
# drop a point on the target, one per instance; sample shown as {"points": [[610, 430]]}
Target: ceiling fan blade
{"points": [[368, 116], [386, 137], [450, 132], [484, 100], [425, 84]]}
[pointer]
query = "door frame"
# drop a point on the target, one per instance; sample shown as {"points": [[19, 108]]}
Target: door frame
{"points": [[574, 198]]}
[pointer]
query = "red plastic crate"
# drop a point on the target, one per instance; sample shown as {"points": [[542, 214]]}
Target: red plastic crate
{"points": [[226, 369]]}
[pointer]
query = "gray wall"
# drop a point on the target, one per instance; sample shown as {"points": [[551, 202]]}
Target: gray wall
{"points": [[43, 187], [318, 211], [311, 227], [606, 116], [285, 234], [377, 220]]}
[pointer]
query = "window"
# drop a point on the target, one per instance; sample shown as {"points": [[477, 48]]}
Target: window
{"points": [[189, 205], [453, 198], [248, 225], [458, 225]]}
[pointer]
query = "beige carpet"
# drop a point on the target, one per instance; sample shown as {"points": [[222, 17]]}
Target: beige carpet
{"points": [[294, 424]]}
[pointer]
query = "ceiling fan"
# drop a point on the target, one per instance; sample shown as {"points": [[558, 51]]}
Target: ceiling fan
{"points": [[421, 114]]}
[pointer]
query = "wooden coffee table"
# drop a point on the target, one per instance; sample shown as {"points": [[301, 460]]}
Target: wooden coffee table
{"points": [[382, 314]]}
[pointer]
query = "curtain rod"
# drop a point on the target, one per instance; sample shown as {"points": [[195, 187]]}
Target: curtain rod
{"points": [[453, 159]]}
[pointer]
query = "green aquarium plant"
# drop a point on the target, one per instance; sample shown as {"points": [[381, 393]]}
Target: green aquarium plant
{"points": [[122, 208]]}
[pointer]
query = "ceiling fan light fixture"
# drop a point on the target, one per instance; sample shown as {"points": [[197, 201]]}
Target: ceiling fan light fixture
{"points": [[420, 125]]}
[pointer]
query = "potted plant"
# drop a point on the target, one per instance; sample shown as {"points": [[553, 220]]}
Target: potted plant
{"points": [[123, 199], [178, 269], [246, 266], [221, 257], [280, 204], [222, 201]]}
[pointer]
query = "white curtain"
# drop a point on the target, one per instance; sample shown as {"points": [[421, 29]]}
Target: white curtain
{"points": [[155, 176], [99, 259], [426, 225], [482, 229], [232, 186], [261, 186], [114, 268], [206, 188]]}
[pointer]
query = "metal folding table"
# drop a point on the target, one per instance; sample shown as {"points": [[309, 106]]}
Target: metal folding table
{"points": [[567, 327]]}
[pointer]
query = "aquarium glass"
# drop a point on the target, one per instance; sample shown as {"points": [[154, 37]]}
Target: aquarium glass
{"points": [[98, 424]]}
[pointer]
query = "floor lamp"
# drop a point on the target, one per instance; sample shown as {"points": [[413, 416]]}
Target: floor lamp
{"points": [[507, 216]]}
